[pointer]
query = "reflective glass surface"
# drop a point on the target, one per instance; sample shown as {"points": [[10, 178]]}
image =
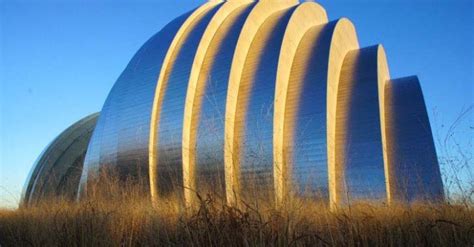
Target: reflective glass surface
{"points": [[256, 103], [212, 101], [58, 169], [170, 125], [412, 155], [305, 117], [360, 156], [122, 133]]}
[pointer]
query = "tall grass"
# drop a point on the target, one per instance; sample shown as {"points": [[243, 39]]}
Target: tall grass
{"points": [[455, 145], [119, 212], [126, 218]]}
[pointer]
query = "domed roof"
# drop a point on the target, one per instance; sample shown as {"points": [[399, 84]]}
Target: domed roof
{"points": [[57, 171]]}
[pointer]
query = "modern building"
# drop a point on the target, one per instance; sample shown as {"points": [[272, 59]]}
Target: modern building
{"points": [[245, 99], [58, 169]]}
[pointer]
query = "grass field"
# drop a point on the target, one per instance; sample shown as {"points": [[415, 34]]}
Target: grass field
{"points": [[132, 221]]}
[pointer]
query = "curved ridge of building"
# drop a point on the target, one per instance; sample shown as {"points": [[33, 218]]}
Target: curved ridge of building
{"points": [[121, 138], [293, 70], [203, 129], [358, 126], [264, 99], [412, 166], [233, 116], [58, 168], [166, 170]]}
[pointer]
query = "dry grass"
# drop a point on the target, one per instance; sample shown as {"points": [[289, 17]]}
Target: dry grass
{"points": [[122, 216], [134, 222]]}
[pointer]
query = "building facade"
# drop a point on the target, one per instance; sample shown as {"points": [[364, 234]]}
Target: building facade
{"points": [[261, 98]]}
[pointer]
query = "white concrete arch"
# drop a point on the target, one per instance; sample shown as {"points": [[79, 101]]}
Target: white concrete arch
{"points": [[303, 18], [344, 39], [256, 18], [207, 45], [360, 126], [383, 74], [163, 77]]}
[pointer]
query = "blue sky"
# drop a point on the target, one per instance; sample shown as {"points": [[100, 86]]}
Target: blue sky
{"points": [[59, 59]]}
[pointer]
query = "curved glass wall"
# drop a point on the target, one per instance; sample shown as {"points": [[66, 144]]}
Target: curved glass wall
{"points": [[57, 170], [359, 132], [123, 130], [170, 125], [212, 99], [412, 161], [254, 119]]}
